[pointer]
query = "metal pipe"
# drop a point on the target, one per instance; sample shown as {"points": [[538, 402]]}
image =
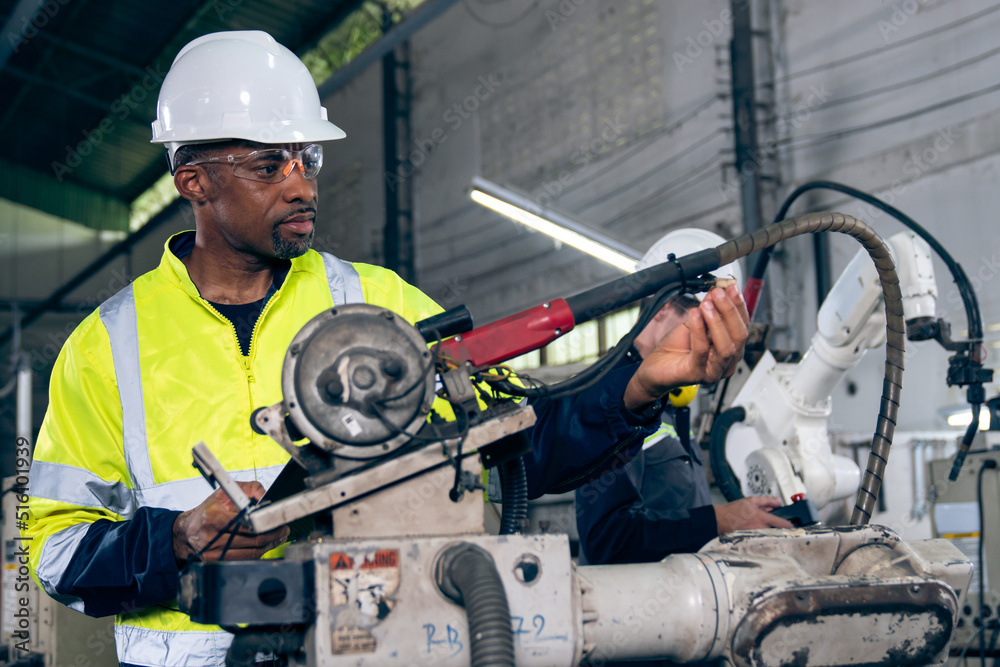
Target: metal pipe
{"points": [[745, 117], [23, 424], [678, 608]]}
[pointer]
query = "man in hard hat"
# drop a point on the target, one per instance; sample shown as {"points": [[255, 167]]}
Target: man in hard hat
{"points": [[188, 350], [658, 503]]}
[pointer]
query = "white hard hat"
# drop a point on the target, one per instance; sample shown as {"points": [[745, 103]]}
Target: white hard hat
{"points": [[239, 85], [682, 242]]}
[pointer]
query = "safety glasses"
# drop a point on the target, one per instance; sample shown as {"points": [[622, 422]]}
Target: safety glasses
{"points": [[272, 165]]}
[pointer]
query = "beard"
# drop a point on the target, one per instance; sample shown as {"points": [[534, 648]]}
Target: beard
{"points": [[289, 249]]}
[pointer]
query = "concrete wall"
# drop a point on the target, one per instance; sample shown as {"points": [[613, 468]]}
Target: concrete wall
{"points": [[900, 99], [581, 106]]}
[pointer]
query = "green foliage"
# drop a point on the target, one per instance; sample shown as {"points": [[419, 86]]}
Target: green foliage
{"points": [[363, 27]]}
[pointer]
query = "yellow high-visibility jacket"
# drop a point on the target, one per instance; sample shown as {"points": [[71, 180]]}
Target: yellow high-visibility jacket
{"points": [[145, 377]]}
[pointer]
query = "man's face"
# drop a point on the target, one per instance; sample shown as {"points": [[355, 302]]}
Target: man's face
{"points": [[672, 315], [270, 220]]}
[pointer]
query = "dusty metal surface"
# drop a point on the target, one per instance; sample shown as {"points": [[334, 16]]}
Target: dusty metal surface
{"points": [[391, 472], [378, 603], [356, 380], [892, 622]]}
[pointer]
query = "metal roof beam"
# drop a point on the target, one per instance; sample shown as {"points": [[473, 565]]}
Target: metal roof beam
{"points": [[64, 199], [100, 105], [93, 54], [56, 298], [13, 30]]}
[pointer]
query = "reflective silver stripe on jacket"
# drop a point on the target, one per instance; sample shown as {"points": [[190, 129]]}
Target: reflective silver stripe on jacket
{"points": [[183, 494], [142, 646], [55, 559], [76, 486], [118, 316], [665, 431], [345, 283]]}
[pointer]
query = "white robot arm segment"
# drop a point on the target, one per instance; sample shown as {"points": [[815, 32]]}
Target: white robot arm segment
{"points": [[782, 446]]}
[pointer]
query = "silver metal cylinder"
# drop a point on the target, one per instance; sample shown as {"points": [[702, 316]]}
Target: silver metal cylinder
{"points": [[677, 608]]}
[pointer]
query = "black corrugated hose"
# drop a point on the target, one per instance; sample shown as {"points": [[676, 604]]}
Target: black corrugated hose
{"points": [[467, 574], [724, 477], [895, 329], [514, 486]]}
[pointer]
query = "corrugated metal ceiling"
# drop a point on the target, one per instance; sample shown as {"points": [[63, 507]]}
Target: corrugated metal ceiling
{"points": [[79, 89]]}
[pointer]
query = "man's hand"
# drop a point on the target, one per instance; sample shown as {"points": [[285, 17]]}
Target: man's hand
{"points": [[748, 514], [704, 349], [197, 527]]}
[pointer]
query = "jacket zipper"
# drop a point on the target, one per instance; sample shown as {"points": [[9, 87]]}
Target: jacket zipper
{"points": [[245, 361]]}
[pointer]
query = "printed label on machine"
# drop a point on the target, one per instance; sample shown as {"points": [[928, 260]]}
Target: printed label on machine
{"points": [[955, 518], [349, 639]]}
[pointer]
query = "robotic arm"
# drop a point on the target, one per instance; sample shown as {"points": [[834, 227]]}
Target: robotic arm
{"points": [[781, 445]]}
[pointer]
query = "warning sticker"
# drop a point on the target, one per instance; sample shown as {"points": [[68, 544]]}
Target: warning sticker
{"points": [[365, 582], [385, 558], [341, 561], [351, 639]]}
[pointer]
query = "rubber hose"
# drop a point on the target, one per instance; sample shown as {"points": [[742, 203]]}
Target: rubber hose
{"points": [[724, 476], [895, 345], [247, 643], [467, 574], [514, 486]]}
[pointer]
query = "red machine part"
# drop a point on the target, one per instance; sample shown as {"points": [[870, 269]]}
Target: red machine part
{"points": [[512, 336], [751, 293]]}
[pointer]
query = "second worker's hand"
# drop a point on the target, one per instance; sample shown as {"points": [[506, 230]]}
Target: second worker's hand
{"points": [[703, 350], [195, 529], [749, 514]]}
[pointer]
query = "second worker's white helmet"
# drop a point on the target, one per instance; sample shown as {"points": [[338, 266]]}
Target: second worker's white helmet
{"points": [[682, 242]]}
